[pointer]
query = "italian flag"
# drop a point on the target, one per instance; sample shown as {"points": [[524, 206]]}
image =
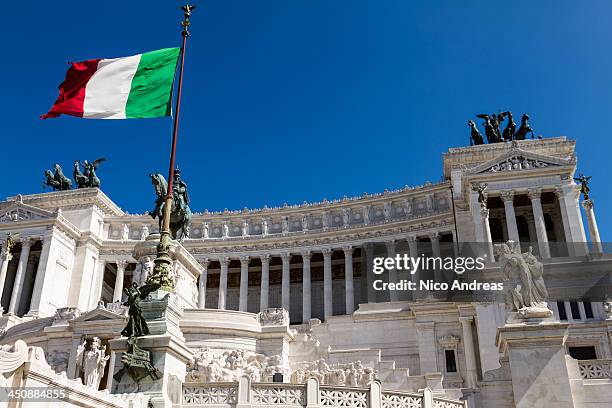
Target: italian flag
{"points": [[139, 86]]}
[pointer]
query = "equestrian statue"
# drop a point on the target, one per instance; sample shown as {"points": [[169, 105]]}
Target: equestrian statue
{"points": [[180, 215]]}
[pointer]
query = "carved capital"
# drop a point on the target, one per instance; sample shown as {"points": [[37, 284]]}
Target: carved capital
{"points": [[587, 204], [348, 250], [326, 252], [286, 257], [534, 193], [306, 254], [122, 264], [507, 196], [204, 262], [224, 261], [244, 259], [434, 236]]}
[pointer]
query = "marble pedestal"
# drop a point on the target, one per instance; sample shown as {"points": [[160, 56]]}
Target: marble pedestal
{"points": [[167, 348], [537, 357]]}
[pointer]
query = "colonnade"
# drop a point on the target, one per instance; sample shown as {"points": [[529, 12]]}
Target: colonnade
{"points": [[567, 197], [26, 266]]}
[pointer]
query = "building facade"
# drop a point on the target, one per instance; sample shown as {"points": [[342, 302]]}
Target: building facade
{"points": [[291, 290]]}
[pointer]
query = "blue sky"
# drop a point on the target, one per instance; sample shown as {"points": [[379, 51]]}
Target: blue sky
{"points": [[287, 101]]}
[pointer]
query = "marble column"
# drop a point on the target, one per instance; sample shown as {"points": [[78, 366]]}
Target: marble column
{"points": [[434, 238], [20, 275], [5, 257], [348, 279], [538, 219], [223, 282], [286, 281], [487, 235], [391, 252], [508, 199], [415, 276], [592, 223], [368, 251], [328, 306], [44, 274], [244, 283], [568, 195], [306, 287], [468, 348], [265, 281], [202, 284], [118, 290]]}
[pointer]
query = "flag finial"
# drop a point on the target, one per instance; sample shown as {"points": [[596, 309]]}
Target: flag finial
{"points": [[185, 23]]}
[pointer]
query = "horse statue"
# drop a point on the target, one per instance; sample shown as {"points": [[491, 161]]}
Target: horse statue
{"points": [[490, 125], [57, 180], [521, 133], [180, 214], [508, 132], [89, 171], [80, 179], [476, 136]]}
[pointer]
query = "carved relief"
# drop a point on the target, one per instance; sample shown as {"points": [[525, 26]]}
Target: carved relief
{"points": [[517, 163], [351, 375], [210, 365], [273, 317]]}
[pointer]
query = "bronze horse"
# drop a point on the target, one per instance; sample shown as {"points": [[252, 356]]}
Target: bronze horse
{"points": [[180, 217]]}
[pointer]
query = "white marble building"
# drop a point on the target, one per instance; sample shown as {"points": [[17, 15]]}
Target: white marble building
{"points": [[62, 285]]}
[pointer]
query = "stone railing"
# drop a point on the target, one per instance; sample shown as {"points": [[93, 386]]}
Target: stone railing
{"points": [[592, 369], [245, 394]]}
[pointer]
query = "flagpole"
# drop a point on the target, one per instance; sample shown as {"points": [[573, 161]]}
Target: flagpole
{"points": [[161, 272]]}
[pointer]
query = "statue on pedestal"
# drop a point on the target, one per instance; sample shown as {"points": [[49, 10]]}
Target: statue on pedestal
{"points": [[584, 185], [482, 196], [526, 292], [91, 362], [136, 326], [180, 216], [143, 269]]}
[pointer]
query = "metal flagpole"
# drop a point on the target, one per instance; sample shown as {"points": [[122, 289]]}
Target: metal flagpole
{"points": [[161, 272]]}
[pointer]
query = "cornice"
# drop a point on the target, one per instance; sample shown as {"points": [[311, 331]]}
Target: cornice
{"points": [[72, 199]]}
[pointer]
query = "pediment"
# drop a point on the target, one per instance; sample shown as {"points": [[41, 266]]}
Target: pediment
{"points": [[18, 212], [520, 160], [99, 314]]}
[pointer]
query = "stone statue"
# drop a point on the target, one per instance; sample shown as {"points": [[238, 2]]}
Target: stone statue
{"points": [[91, 362], [508, 133], [56, 179], [180, 215], [136, 326], [475, 135], [584, 185], [9, 243], [143, 269], [482, 197], [526, 292], [521, 133]]}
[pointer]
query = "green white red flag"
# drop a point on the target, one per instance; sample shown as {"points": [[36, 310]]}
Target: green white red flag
{"points": [[139, 86]]}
